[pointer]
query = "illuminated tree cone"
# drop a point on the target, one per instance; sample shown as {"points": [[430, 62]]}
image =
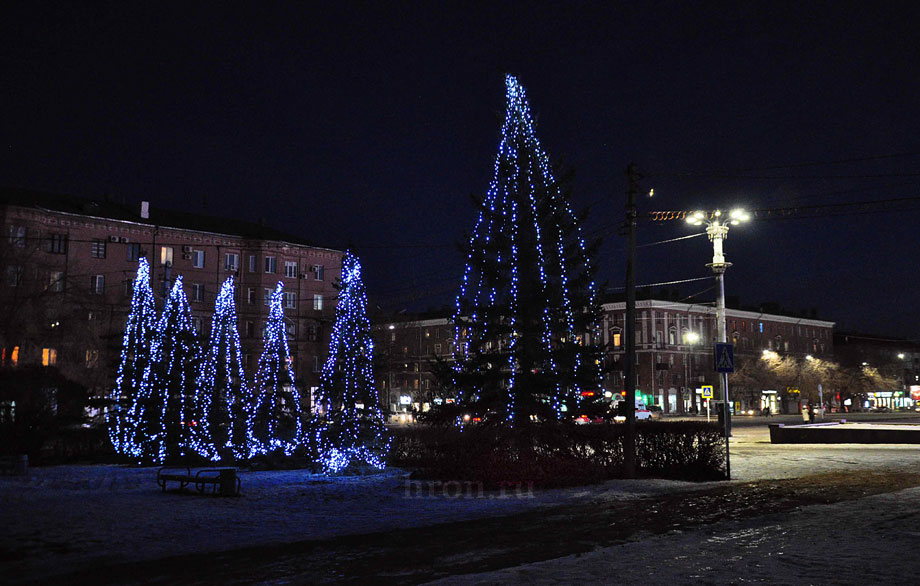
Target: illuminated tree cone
{"points": [[354, 430], [278, 417], [169, 390], [224, 401], [526, 311], [139, 336]]}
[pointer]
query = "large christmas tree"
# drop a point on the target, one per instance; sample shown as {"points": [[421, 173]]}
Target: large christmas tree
{"points": [[354, 429], [136, 353], [223, 432], [526, 313], [278, 417]]}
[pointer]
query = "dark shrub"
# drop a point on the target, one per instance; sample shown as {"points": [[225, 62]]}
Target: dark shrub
{"points": [[557, 454]]}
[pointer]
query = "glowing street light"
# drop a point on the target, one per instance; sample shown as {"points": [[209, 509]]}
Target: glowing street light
{"points": [[717, 230]]}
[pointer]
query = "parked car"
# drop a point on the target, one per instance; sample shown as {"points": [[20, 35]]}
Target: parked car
{"points": [[655, 411], [642, 412]]}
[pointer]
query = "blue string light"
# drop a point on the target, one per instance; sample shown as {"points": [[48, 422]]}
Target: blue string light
{"points": [[278, 415], [224, 430], [139, 337], [353, 430], [522, 188]]}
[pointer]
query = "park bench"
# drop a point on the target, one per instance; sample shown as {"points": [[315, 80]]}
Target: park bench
{"points": [[220, 481]]}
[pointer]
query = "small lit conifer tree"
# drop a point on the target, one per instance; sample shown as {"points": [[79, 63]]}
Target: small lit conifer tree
{"points": [[139, 338], [225, 404], [354, 430], [278, 417]]}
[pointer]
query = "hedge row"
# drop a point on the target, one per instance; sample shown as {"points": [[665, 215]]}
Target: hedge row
{"points": [[558, 454]]}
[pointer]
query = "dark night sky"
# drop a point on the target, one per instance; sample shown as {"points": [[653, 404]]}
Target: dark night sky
{"points": [[364, 126]]}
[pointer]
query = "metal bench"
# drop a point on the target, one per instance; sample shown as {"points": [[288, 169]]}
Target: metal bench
{"points": [[220, 481]]}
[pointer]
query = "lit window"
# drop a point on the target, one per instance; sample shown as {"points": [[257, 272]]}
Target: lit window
{"points": [[98, 249], [49, 356], [92, 358], [166, 255], [617, 339], [271, 264], [198, 259], [317, 302], [290, 269], [232, 261]]}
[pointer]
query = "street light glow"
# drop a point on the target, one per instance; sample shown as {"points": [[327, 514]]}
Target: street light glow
{"points": [[691, 337], [809, 357], [901, 356], [770, 355]]}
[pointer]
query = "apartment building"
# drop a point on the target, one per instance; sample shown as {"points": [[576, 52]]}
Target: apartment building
{"points": [[68, 266]]}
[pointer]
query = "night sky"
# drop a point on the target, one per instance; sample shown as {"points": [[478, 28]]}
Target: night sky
{"points": [[370, 127]]}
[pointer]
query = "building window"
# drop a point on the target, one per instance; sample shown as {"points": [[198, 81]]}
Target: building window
{"points": [[617, 338], [166, 255], [198, 259], [13, 275], [317, 272], [316, 364], [290, 329], [290, 269], [251, 296], [290, 300], [98, 249], [97, 284], [49, 356], [129, 287], [317, 302], [437, 349], [56, 244], [313, 332], [92, 358], [56, 281], [196, 324], [134, 252], [271, 264], [18, 236], [672, 336], [232, 261], [252, 263], [14, 356], [250, 329], [197, 291], [267, 297]]}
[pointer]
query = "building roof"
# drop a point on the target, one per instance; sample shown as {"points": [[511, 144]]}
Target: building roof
{"points": [[106, 208]]}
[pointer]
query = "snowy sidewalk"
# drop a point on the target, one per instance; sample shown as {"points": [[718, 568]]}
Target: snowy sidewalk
{"points": [[67, 518]]}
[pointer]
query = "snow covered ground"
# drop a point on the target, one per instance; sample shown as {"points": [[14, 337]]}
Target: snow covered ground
{"points": [[61, 519]]}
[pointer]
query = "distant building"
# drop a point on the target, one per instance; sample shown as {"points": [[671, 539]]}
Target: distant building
{"points": [[68, 266], [671, 367], [894, 358], [674, 349]]}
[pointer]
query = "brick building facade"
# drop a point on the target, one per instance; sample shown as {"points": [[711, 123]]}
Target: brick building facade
{"points": [[68, 266], [670, 367]]}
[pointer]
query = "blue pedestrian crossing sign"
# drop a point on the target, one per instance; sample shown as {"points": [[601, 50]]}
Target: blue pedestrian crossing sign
{"points": [[707, 391], [725, 357]]}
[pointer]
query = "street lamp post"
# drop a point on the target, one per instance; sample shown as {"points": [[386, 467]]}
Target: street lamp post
{"points": [[690, 339], [717, 230]]}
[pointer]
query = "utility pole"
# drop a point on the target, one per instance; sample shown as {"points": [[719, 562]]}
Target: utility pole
{"points": [[629, 362]]}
